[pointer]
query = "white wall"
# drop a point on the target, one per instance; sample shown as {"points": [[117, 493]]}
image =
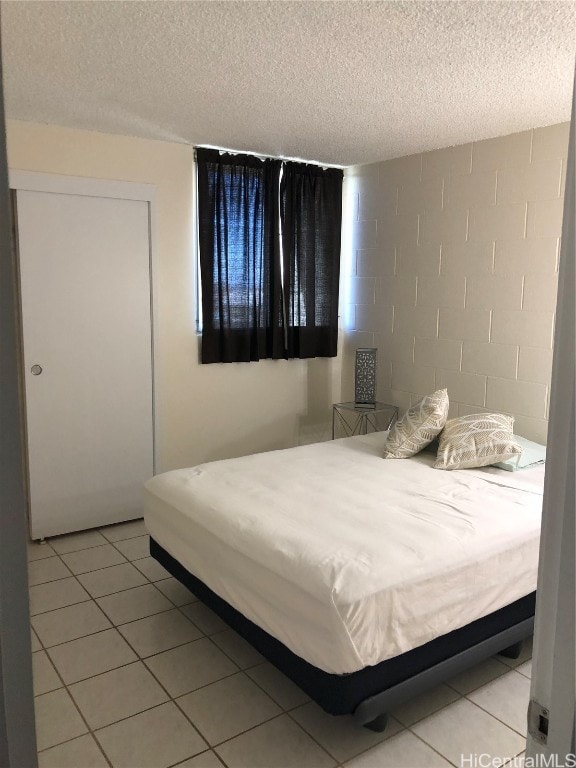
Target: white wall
{"points": [[454, 273], [452, 267], [203, 412]]}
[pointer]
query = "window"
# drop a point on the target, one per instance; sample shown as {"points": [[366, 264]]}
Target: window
{"points": [[269, 240]]}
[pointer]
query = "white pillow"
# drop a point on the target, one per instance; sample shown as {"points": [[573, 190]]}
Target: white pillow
{"points": [[476, 441], [418, 427]]}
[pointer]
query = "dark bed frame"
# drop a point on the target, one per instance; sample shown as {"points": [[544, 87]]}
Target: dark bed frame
{"points": [[371, 693]]}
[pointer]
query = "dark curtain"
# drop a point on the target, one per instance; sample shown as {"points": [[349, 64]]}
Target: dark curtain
{"points": [[269, 239], [239, 262], [311, 218]]}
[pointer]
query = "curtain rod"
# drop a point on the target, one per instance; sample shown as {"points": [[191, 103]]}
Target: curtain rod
{"points": [[266, 157]]}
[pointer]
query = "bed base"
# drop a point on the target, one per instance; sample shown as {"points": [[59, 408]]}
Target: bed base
{"points": [[371, 693], [369, 712]]}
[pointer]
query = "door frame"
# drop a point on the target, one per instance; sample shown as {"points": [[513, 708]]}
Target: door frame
{"points": [[17, 731], [31, 181]]}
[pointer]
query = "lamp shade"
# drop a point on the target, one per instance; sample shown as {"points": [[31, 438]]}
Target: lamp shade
{"points": [[365, 376]]}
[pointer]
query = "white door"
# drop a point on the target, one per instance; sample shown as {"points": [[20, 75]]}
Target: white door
{"points": [[553, 687], [85, 284]]}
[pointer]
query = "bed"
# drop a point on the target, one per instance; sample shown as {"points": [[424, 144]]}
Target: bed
{"points": [[365, 580]]}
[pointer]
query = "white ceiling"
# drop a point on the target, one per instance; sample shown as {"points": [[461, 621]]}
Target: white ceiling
{"points": [[338, 82]]}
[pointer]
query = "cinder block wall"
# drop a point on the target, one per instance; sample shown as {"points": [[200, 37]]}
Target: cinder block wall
{"points": [[454, 273]]}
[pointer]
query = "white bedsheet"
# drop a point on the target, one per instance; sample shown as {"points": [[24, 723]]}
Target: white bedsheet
{"points": [[346, 557]]}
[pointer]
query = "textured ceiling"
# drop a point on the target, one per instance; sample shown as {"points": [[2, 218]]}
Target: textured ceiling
{"points": [[338, 82]]}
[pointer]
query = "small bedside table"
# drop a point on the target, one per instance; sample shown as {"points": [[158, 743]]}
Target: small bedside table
{"points": [[355, 419]]}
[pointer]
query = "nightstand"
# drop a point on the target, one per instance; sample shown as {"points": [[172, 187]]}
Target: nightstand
{"points": [[355, 419]]}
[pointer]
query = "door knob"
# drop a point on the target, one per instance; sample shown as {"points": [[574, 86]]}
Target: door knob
{"points": [[36, 370]]}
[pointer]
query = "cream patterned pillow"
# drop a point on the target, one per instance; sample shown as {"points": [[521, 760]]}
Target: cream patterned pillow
{"points": [[418, 427], [476, 441]]}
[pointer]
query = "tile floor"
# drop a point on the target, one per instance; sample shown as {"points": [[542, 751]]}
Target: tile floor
{"points": [[131, 671]]}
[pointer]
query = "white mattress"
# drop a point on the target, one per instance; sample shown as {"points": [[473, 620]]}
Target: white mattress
{"points": [[346, 557]]}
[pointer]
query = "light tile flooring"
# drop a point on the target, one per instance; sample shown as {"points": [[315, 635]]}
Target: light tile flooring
{"points": [[131, 671]]}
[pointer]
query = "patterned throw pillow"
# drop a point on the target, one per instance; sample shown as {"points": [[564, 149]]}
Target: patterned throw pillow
{"points": [[418, 427], [476, 441]]}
